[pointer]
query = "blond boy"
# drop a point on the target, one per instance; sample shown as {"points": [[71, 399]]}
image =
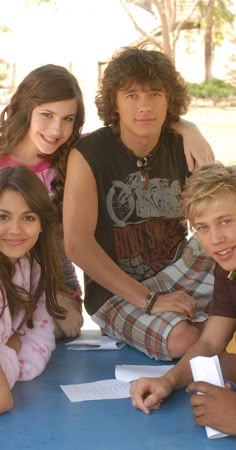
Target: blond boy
{"points": [[209, 203]]}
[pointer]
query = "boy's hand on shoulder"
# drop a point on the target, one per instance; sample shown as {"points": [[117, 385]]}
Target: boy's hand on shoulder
{"points": [[216, 408], [197, 149], [148, 393]]}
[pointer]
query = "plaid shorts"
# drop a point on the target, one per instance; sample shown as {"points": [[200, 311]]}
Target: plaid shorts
{"points": [[193, 273]]}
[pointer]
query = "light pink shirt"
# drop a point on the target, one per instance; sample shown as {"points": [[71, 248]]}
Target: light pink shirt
{"points": [[37, 343], [43, 169]]}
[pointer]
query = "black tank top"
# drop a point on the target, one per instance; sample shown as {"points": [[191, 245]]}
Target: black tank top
{"points": [[140, 224]]}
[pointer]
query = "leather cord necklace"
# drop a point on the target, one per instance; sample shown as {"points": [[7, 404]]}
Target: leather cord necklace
{"points": [[145, 163]]}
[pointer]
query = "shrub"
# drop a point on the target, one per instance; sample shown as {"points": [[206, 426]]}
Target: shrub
{"points": [[214, 88]]}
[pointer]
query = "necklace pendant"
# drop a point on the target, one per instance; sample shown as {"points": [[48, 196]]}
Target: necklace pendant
{"points": [[141, 162]]}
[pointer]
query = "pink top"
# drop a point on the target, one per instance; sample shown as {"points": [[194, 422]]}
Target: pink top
{"points": [[37, 343], [43, 169]]}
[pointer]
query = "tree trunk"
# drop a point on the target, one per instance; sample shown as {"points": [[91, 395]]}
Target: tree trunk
{"points": [[208, 40], [165, 25]]}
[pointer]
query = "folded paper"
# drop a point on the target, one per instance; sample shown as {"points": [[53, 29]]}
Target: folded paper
{"points": [[208, 369]]}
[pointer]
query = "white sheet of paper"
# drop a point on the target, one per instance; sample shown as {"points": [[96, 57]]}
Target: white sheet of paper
{"points": [[98, 390], [95, 343], [208, 369], [129, 373]]}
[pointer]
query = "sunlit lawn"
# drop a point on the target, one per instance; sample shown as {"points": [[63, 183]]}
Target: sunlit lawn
{"points": [[219, 127]]}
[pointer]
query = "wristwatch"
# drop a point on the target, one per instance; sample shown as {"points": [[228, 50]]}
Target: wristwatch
{"points": [[151, 298]]}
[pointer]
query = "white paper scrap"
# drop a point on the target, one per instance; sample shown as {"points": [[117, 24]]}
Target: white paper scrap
{"points": [[97, 343], [208, 369], [129, 373], [98, 390]]}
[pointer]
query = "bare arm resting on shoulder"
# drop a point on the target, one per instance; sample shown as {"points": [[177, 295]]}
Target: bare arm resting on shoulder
{"points": [[148, 393], [196, 148]]}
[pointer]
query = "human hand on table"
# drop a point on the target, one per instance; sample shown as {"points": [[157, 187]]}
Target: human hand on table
{"points": [[147, 394]]}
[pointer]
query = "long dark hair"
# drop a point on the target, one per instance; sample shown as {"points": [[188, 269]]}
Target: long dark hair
{"points": [[48, 83], [45, 251]]}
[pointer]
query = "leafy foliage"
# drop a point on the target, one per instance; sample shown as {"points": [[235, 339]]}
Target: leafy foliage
{"points": [[221, 14], [214, 88]]}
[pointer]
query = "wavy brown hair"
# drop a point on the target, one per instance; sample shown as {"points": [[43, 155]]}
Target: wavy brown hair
{"points": [[45, 251], [45, 84], [146, 67]]}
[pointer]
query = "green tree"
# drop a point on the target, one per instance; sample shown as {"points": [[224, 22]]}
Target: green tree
{"points": [[214, 15], [173, 16]]}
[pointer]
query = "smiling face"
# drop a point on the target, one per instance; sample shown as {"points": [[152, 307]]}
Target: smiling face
{"points": [[19, 226], [142, 113], [216, 229], [51, 126]]}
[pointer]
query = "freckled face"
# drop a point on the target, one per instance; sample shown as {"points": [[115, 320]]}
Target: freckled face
{"points": [[19, 226]]}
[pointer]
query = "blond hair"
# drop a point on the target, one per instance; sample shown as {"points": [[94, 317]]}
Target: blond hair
{"points": [[205, 184]]}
